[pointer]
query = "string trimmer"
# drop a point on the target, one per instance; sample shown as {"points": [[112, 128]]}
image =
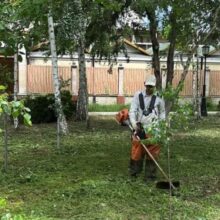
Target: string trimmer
{"points": [[122, 118]]}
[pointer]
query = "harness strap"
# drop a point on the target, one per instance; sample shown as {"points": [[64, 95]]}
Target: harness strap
{"points": [[152, 102], [141, 101]]}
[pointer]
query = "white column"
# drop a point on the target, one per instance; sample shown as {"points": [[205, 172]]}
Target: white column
{"points": [[22, 73], [120, 97], [207, 80], [164, 76], [120, 80], [75, 80]]}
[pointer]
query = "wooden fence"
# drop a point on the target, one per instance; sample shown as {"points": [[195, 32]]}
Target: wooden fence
{"points": [[103, 83], [39, 78], [214, 84], [134, 80]]}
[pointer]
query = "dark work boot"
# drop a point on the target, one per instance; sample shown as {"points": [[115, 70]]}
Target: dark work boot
{"points": [[135, 167], [150, 170]]}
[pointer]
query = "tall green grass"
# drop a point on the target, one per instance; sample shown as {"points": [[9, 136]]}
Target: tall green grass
{"points": [[88, 179]]}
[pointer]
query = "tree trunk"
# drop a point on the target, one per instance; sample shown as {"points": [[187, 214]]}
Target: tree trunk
{"points": [[198, 95], [170, 56], [170, 73], [15, 81], [155, 47], [61, 120], [170, 59], [5, 118], [194, 85], [185, 69], [82, 104]]}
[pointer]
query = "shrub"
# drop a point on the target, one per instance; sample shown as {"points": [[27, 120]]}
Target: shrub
{"points": [[43, 107], [218, 106], [211, 106]]}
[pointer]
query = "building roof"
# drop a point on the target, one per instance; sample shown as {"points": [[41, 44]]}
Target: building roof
{"points": [[133, 45], [162, 47]]}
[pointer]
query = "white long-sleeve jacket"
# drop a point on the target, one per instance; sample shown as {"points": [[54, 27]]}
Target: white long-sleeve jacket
{"points": [[136, 113]]}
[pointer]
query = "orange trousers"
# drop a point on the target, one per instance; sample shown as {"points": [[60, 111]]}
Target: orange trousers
{"points": [[138, 152]]}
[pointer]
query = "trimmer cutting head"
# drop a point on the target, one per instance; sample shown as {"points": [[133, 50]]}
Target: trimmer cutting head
{"points": [[166, 184]]}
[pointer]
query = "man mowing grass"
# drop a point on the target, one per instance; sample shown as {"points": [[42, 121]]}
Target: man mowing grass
{"points": [[145, 108]]}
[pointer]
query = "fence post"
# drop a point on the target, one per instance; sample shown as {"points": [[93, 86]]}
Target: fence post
{"points": [[120, 97], [207, 81], [164, 76], [22, 74], [75, 81]]}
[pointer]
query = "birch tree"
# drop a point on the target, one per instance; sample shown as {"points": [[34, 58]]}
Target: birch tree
{"points": [[61, 120], [82, 22], [82, 103], [16, 69]]}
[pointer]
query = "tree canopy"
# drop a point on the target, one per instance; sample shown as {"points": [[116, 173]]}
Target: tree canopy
{"points": [[96, 27]]}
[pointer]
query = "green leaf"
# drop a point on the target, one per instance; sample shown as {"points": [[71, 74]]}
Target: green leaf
{"points": [[2, 27], [27, 109], [7, 216], [18, 217], [16, 104], [15, 113], [2, 88], [27, 119], [6, 108], [2, 202]]}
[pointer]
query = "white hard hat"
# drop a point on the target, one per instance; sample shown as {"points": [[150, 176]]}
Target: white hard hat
{"points": [[150, 81]]}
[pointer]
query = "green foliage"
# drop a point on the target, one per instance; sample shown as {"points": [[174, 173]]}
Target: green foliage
{"points": [[162, 131], [3, 202], [171, 94], [159, 133], [6, 76], [180, 118], [14, 108], [104, 16], [43, 107], [69, 106], [218, 106], [9, 216], [211, 106]]}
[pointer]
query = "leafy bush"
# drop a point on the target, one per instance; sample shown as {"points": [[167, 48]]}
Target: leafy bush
{"points": [[218, 106], [43, 107], [211, 106], [6, 77]]}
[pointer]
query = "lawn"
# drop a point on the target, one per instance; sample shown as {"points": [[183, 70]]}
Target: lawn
{"points": [[88, 179]]}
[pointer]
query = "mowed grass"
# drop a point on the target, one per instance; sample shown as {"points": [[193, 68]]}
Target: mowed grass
{"points": [[88, 178]]}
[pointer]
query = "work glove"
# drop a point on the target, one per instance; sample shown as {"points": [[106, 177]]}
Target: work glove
{"points": [[139, 131], [139, 127]]}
